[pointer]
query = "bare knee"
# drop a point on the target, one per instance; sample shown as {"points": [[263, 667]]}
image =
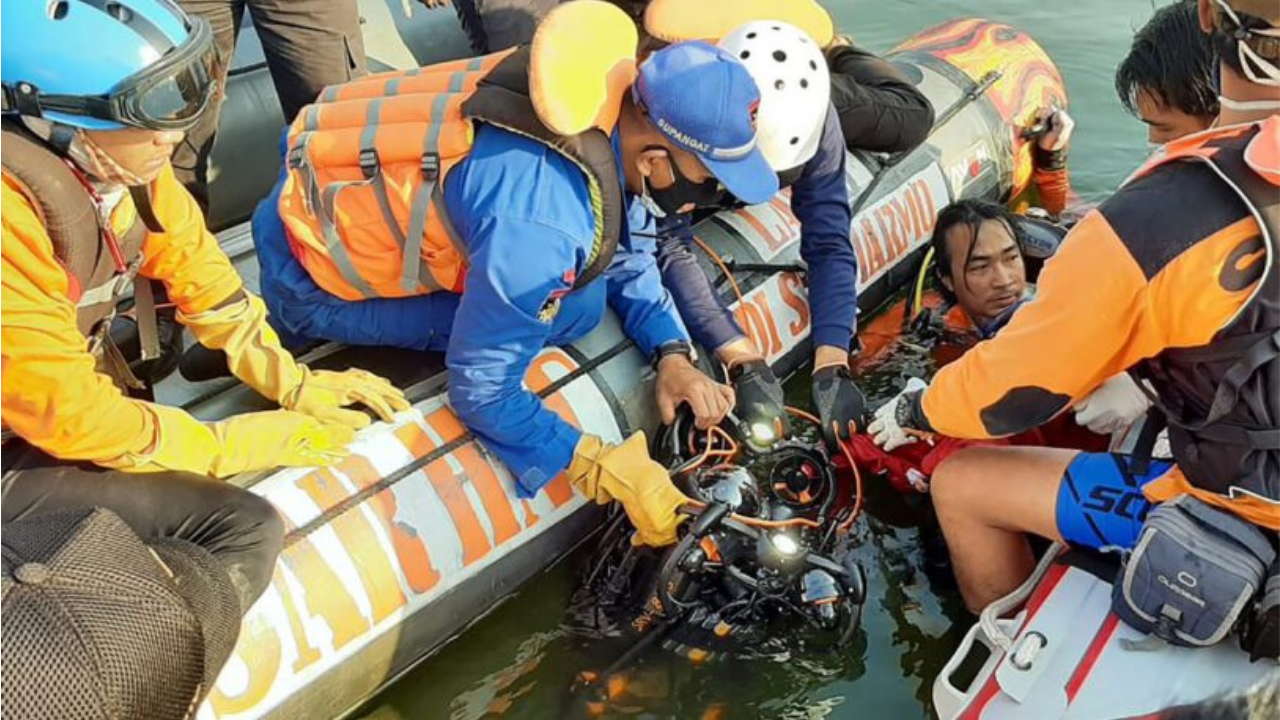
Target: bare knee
{"points": [[960, 478]]}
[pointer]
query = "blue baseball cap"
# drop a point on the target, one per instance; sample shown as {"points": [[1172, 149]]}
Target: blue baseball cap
{"points": [[704, 101]]}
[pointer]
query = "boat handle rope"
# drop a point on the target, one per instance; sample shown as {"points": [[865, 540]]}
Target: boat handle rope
{"points": [[1020, 654]]}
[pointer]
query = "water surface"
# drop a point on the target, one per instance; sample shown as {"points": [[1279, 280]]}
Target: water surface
{"points": [[519, 662]]}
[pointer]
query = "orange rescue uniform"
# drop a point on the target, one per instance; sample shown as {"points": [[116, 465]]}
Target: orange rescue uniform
{"points": [[1135, 277], [50, 393]]}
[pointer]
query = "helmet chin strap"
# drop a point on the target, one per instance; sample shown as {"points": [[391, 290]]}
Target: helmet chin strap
{"points": [[103, 166], [93, 160], [1248, 105]]}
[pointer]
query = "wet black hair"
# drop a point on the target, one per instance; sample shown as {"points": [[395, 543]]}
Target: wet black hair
{"points": [[1172, 60], [970, 214], [1227, 36]]}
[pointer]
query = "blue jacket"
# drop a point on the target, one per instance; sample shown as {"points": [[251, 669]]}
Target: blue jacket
{"points": [[820, 201], [523, 212]]}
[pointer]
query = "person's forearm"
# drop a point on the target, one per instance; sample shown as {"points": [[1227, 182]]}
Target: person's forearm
{"points": [[880, 109], [829, 355], [709, 322]]}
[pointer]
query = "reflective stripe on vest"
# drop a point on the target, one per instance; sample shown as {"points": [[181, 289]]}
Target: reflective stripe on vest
{"points": [[430, 167]]}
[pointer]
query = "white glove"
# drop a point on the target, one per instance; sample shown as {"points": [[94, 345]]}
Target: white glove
{"points": [[884, 429], [1113, 407]]}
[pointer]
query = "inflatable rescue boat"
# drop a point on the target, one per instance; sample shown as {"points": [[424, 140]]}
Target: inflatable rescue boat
{"points": [[419, 533], [1055, 650]]}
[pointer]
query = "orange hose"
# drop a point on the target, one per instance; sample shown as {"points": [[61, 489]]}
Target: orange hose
{"points": [[847, 524], [803, 415], [710, 451], [733, 283]]}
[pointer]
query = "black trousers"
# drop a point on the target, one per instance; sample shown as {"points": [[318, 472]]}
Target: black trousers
{"points": [[243, 531], [309, 44]]}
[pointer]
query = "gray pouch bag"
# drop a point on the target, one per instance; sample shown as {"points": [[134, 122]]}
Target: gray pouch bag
{"points": [[1192, 573]]}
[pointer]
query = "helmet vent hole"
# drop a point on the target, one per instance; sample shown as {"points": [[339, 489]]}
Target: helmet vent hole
{"points": [[804, 83], [751, 36], [119, 12], [777, 28], [795, 141], [58, 9], [744, 54], [779, 56], [813, 65], [779, 84]]}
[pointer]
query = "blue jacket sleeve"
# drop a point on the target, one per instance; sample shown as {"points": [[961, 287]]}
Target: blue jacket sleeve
{"points": [[711, 324], [820, 201], [517, 267], [636, 293]]}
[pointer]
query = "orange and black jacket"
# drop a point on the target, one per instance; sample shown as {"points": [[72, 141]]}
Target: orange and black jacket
{"points": [[1167, 264], [51, 394]]}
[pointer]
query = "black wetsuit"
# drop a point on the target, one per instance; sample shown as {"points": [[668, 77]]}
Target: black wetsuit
{"points": [[242, 530], [880, 109]]}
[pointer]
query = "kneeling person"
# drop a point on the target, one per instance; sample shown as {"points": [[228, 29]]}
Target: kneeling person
{"points": [[545, 228], [801, 138]]}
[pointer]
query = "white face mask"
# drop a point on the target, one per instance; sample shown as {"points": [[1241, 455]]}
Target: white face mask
{"points": [[646, 200]]}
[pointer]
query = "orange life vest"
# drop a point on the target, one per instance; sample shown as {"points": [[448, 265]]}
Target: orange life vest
{"points": [[363, 203], [1222, 400]]}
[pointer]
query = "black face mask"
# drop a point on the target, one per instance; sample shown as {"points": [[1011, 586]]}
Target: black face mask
{"points": [[683, 191]]}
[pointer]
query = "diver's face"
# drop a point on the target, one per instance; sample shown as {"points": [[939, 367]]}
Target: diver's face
{"points": [[140, 152], [989, 279], [1164, 123]]}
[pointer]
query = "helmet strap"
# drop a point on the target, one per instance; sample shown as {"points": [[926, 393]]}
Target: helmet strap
{"points": [[141, 195], [104, 167]]}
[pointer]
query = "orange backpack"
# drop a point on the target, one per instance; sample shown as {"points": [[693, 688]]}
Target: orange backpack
{"points": [[363, 203]]}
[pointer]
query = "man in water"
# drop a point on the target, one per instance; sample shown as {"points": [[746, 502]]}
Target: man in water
{"points": [[1173, 276], [981, 257]]}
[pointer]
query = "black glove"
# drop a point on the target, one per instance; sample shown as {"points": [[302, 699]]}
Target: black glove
{"points": [[759, 397], [841, 405], [1260, 631]]}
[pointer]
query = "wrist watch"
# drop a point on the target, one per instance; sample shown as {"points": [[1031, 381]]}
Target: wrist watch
{"points": [[675, 347]]}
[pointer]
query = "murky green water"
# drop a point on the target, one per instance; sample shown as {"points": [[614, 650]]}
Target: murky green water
{"points": [[520, 661]]}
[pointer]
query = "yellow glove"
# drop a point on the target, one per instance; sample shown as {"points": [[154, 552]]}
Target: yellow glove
{"points": [[322, 395], [626, 473], [254, 355], [277, 438], [242, 443], [254, 352]]}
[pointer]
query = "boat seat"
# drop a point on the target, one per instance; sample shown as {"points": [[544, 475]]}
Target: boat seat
{"points": [[1104, 566]]}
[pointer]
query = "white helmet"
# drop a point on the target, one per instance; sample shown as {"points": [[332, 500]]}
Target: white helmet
{"points": [[795, 89]]}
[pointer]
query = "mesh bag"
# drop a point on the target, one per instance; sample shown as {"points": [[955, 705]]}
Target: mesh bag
{"points": [[92, 625], [205, 585]]}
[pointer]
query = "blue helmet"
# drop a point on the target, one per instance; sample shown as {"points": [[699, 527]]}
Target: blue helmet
{"points": [[106, 64]]}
